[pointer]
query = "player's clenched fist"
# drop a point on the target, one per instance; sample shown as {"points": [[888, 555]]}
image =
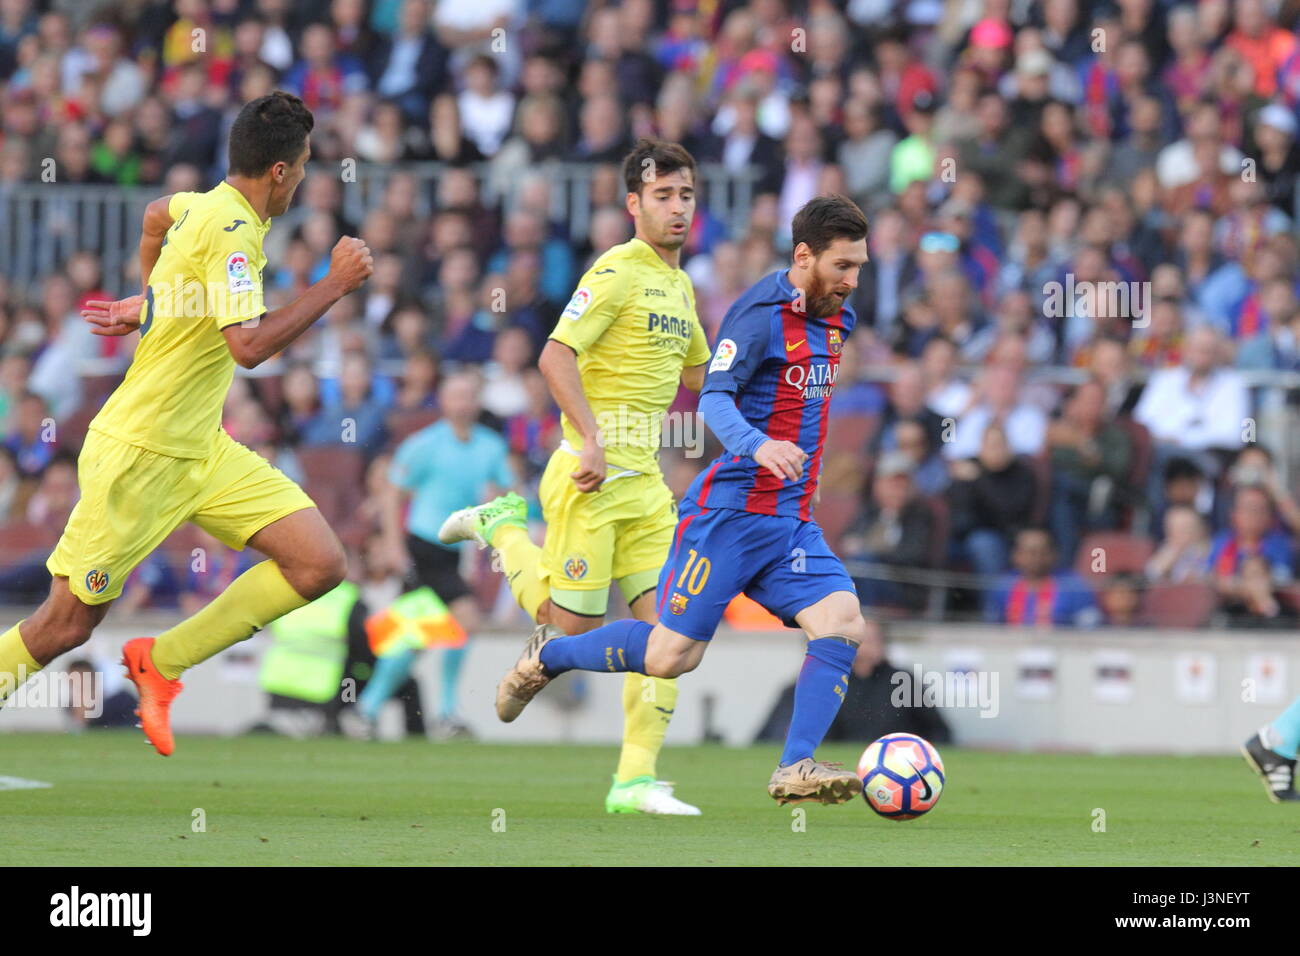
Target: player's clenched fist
{"points": [[351, 263], [782, 458]]}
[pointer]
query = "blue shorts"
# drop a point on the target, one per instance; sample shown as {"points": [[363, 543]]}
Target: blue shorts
{"points": [[782, 563]]}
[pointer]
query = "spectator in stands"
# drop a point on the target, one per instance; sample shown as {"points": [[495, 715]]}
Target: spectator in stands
{"points": [[1090, 460], [997, 400], [1251, 533], [212, 567], [56, 492], [1035, 597], [33, 438], [1254, 465], [895, 530], [990, 500], [1119, 600], [409, 66], [906, 402], [1196, 408], [150, 585], [357, 418], [503, 393], [1184, 550], [929, 470]]}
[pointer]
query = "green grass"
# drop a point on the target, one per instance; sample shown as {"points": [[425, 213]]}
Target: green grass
{"points": [[271, 801]]}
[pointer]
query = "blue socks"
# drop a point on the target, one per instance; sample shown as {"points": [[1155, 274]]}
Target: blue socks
{"points": [[613, 647], [1286, 731], [818, 694], [390, 673]]}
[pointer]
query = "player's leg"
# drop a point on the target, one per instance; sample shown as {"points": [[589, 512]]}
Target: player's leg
{"points": [[242, 501], [61, 623], [112, 528], [641, 546], [1272, 754], [809, 587], [707, 585], [502, 524]]}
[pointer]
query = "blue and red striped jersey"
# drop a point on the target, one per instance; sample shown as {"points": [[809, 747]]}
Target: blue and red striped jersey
{"points": [[780, 363]]}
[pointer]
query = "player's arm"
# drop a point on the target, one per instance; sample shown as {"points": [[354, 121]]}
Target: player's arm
{"points": [[559, 366], [743, 344], [153, 231], [122, 317], [252, 343], [693, 376], [593, 308]]}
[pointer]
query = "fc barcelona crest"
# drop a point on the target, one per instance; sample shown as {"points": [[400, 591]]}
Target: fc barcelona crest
{"points": [[834, 342], [678, 603]]}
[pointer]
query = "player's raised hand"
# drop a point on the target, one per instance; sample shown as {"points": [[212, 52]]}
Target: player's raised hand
{"points": [[591, 467], [782, 458], [121, 317], [351, 263]]}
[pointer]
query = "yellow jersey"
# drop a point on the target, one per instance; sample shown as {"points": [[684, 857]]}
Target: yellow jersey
{"points": [[208, 276], [633, 325]]}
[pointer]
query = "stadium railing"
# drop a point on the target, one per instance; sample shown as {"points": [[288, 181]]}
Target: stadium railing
{"points": [[42, 224]]}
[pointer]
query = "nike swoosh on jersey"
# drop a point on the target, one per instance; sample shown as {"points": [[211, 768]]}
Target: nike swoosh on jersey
{"points": [[791, 348]]}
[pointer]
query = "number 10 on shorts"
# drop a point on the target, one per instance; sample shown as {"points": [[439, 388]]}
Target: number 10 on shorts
{"points": [[696, 573]]}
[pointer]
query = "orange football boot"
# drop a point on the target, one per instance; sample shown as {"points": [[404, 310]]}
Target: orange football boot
{"points": [[156, 693]]}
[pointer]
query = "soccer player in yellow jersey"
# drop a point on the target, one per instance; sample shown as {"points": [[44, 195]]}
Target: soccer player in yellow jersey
{"points": [[156, 455], [627, 337]]}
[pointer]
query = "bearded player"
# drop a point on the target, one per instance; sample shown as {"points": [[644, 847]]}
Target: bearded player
{"points": [[746, 522], [627, 337], [156, 455]]}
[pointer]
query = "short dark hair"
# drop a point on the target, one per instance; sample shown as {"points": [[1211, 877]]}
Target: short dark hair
{"points": [[661, 156], [824, 219], [271, 129]]}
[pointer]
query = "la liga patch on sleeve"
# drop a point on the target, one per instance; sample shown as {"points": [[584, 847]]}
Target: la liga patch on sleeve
{"points": [[723, 356], [239, 274], [577, 304]]}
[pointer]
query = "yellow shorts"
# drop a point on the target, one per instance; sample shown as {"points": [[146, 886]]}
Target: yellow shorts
{"points": [[132, 498], [620, 533]]}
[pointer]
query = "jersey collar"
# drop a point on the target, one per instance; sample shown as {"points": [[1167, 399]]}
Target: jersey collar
{"points": [[647, 251], [240, 198]]}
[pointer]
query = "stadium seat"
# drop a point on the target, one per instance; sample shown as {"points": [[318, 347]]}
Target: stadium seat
{"points": [[20, 539], [1132, 496], [334, 477], [1179, 605], [937, 595], [835, 512], [1124, 553], [850, 433], [404, 423]]}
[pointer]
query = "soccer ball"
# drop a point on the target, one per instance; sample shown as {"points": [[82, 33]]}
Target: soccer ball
{"points": [[902, 776]]}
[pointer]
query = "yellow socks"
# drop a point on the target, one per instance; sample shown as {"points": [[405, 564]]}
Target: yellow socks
{"points": [[520, 559], [253, 600], [16, 662], [648, 704]]}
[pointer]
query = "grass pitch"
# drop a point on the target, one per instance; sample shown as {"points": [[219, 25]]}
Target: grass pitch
{"points": [[270, 801]]}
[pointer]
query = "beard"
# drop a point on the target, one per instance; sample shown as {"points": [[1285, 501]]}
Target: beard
{"points": [[821, 301]]}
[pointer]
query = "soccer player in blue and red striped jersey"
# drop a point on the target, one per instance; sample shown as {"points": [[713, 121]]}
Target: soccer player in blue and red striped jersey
{"points": [[746, 523]]}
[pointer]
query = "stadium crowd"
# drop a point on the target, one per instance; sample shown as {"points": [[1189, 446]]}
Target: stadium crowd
{"points": [[1004, 151]]}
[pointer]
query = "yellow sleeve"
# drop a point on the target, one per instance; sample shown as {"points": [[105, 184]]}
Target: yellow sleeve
{"points": [[233, 286], [179, 202], [594, 306], [699, 352]]}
